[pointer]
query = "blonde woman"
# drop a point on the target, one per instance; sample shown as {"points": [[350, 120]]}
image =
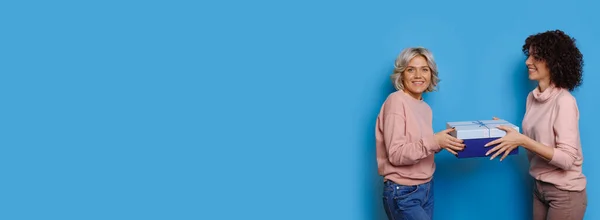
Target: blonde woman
{"points": [[405, 141]]}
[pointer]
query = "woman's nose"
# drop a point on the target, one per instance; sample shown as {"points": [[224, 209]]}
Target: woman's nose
{"points": [[529, 61]]}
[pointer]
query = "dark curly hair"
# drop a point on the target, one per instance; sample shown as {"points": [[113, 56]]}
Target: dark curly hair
{"points": [[563, 58]]}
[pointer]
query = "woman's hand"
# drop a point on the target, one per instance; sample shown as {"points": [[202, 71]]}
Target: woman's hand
{"points": [[448, 142], [506, 144]]}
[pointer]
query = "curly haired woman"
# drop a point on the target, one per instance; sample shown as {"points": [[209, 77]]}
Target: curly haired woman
{"points": [[551, 128]]}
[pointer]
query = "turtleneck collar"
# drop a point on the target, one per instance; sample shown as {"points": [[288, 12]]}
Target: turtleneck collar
{"points": [[546, 94]]}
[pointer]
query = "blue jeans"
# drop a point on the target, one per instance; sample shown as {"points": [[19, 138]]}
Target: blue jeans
{"points": [[408, 202]]}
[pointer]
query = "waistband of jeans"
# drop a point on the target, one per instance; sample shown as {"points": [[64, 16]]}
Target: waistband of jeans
{"points": [[390, 182]]}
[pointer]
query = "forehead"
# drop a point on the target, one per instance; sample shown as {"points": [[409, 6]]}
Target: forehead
{"points": [[418, 61]]}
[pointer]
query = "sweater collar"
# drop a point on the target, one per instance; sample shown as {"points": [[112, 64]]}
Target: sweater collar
{"points": [[546, 94], [413, 99]]}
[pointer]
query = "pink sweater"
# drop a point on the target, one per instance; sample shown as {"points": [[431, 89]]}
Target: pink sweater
{"points": [[552, 118], [404, 140]]}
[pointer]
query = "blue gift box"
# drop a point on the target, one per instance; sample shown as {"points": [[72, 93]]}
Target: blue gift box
{"points": [[476, 134]]}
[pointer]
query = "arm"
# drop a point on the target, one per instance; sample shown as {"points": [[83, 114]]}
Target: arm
{"points": [[538, 148], [513, 139], [566, 131], [400, 150]]}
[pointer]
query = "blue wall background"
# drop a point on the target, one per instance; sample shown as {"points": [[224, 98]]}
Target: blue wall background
{"points": [[258, 109]]}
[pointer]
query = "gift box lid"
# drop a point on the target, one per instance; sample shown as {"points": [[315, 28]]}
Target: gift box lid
{"points": [[479, 129]]}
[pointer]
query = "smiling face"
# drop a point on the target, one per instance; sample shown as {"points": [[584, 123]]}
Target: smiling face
{"points": [[538, 70], [416, 78]]}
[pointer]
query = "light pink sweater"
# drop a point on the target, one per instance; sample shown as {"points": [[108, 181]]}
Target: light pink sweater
{"points": [[404, 140], [552, 118]]}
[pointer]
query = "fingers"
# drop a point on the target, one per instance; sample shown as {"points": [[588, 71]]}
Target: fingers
{"points": [[506, 153], [451, 151], [454, 143], [506, 128], [456, 140], [502, 127], [494, 149], [500, 150], [448, 130], [504, 148], [494, 118], [456, 146], [494, 142]]}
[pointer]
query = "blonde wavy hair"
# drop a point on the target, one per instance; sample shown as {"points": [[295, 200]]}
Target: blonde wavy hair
{"points": [[402, 62]]}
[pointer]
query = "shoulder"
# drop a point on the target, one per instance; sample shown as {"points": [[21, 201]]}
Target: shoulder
{"points": [[529, 97], [565, 98], [566, 103], [394, 102], [396, 97]]}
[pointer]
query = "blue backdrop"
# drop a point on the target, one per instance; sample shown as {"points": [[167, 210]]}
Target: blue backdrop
{"points": [[259, 109]]}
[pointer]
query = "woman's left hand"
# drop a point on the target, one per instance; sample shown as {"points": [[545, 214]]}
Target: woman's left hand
{"points": [[506, 144]]}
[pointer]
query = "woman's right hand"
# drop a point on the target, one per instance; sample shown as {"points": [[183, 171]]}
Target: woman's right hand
{"points": [[446, 141]]}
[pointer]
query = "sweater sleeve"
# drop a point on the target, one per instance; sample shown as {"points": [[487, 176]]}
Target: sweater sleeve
{"points": [[400, 150], [566, 130]]}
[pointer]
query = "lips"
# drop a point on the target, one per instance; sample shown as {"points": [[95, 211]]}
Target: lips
{"points": [[418, 83], [531, 68]]}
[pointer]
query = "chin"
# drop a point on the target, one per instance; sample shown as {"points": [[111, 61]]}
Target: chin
{"points": [[532, 77], [417, 91]]}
